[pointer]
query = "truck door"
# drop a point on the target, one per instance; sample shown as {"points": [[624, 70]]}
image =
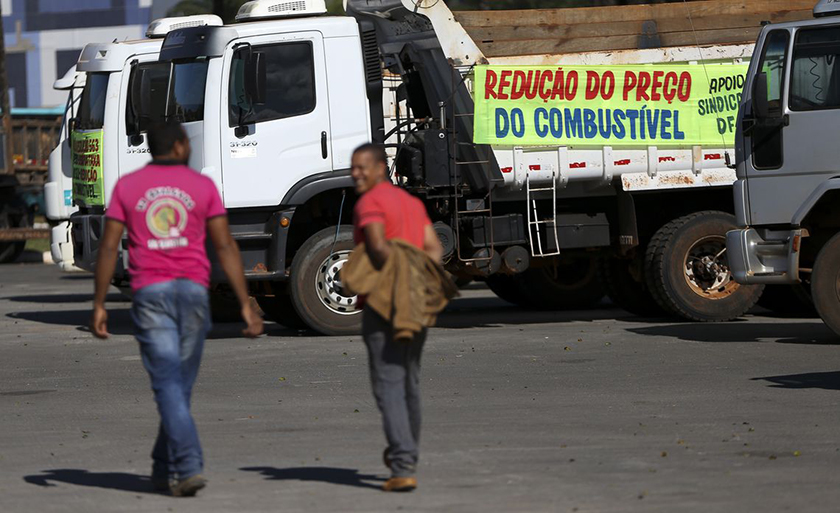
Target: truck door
{"points": [[268, 147], [799, 107], [145, 71]]}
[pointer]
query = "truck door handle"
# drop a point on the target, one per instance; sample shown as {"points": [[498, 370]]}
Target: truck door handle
{"points": [[323, 145]]}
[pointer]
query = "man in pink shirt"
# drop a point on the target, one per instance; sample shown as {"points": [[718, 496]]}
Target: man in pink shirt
{"points": [[168, 209]]}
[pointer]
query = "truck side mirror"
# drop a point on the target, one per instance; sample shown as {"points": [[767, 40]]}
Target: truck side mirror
{"points": [[255, 78], [71, 126], [760, 104]]}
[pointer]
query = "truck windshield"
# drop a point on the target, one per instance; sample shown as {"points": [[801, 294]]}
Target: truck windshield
{"points": [[92, 104], [815, 75], [177, 87]]}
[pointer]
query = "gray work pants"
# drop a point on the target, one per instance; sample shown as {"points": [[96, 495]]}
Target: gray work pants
{"points": [[395, 376]]}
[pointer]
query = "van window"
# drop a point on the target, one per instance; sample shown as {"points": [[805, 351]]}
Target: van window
{"points": [[814, 80], [92, 104], [290, 83]]}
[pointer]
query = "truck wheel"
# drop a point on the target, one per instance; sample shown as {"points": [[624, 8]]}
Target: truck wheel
{"points": [[509, 288], [315, 284], [569, 283], [789, 300], [625, 284], [279, 308], [825, 284], [687, 271], [10, 251]]}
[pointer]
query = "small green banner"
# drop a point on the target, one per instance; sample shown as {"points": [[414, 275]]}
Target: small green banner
{"points": [[87, 168], [644, 105]]}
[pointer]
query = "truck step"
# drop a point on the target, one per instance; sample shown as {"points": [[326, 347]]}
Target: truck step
{"points": [[251, 236]]}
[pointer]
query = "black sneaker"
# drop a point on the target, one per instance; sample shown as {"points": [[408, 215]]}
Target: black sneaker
{"points": [[188, 487]]}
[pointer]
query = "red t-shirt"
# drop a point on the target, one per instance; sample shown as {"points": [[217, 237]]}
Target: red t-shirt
{"points": [[403, 215], [166, 208]]}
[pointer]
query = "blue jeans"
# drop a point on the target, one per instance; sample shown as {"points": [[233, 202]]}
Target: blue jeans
{"points": [[171, 320]]}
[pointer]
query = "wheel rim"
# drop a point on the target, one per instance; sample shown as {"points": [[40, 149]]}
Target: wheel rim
{"points": [[330, 289], [706, 269]]}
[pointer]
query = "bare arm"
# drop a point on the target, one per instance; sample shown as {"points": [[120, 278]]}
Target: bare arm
{"points": [[376, 246], [431, 244], [229, 257], [106, 262]]}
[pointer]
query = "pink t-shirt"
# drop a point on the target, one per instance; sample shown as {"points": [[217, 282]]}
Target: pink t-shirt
{"points": [[166, 208]]}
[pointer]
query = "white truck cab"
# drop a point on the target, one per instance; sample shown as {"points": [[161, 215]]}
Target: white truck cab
{"points": [[313, 113], [97, 85], [58, 191]]}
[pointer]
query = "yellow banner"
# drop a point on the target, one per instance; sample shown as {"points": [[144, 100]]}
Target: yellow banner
{"points": [[650, 105], [87, 168]]}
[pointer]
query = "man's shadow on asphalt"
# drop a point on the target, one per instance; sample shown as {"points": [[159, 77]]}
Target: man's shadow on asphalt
{"points": [[340, 476], [119, 323], [805, 333], [113, 480], [66, 298], [822, 380]]}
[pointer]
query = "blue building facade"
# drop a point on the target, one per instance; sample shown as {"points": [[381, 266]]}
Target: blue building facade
{"points": [[44, 38]]}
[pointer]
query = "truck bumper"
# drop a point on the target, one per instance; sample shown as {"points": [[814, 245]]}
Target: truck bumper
{"points": [[61, 246], [85, 234], [769, 257]]}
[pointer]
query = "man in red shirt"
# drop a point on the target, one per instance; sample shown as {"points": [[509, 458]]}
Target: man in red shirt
{"points": [[386, 212], [168, 209]]}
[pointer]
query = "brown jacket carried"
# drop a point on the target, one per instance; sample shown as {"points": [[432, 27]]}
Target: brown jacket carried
{"points": [[409, 291]]}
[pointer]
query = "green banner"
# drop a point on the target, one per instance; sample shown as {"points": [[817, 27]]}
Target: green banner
{"points": [[87, 168], [650, 105]]}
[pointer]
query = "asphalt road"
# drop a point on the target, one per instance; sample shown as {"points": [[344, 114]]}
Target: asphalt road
{"points": [[584, 411]]}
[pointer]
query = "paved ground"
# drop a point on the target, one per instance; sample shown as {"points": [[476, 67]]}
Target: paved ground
{"points": [[589, 411]]}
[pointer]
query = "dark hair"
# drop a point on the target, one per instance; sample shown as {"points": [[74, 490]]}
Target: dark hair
{"points": [[375, 150], [162, 137]]}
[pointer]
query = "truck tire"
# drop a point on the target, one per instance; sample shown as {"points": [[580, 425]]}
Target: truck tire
{"points": [[624, 283], [224, 307], [825, 287], [509, 288], [10, 251], [687, 272], [279, 308], [789, 300], [571, 283], [315, 287]]}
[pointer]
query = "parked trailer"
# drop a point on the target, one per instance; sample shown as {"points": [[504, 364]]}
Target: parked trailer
{"points": [[34, 134]]}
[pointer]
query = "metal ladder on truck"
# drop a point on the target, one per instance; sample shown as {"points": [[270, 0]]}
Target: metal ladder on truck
{"points": [[484, 205], [534, 220]]}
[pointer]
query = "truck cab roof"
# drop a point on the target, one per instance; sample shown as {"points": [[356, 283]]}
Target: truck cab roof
{"points": [[211, 41], [112, 56]]}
